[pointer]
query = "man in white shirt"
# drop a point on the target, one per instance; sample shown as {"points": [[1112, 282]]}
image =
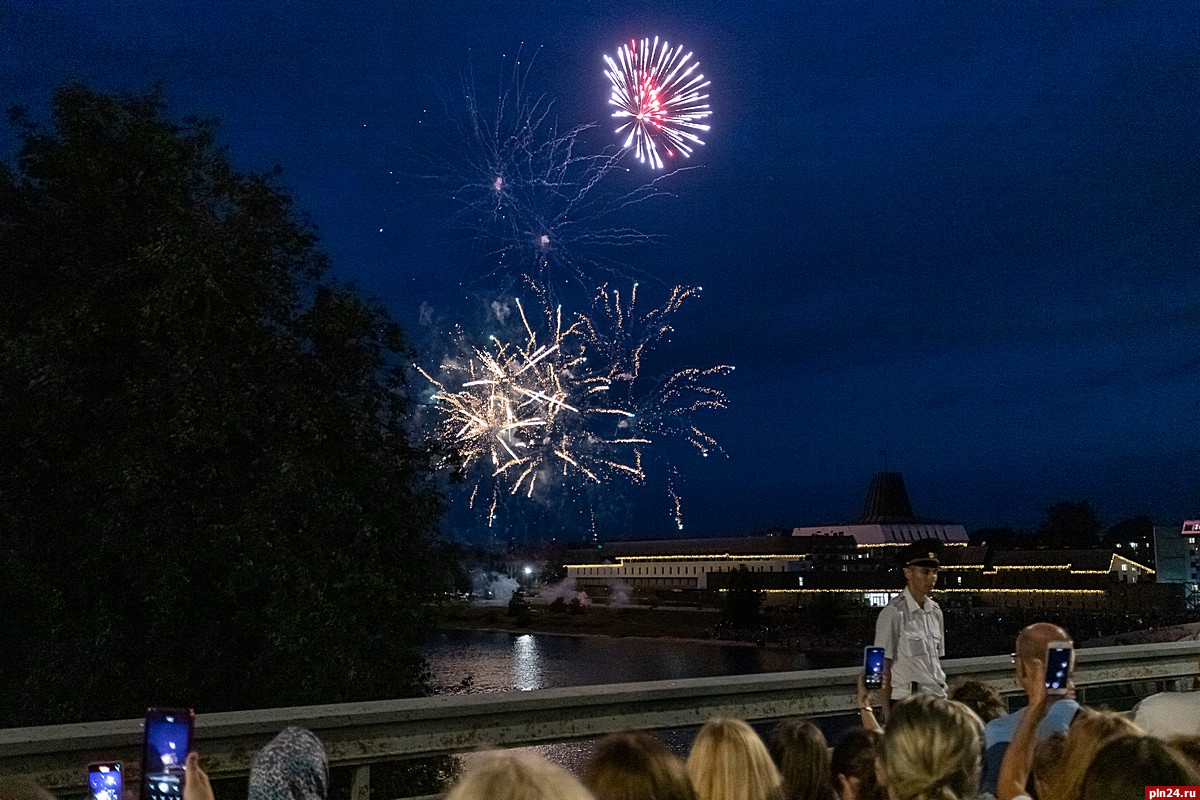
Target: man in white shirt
{"points": [[911, 630], [1029, 663]]}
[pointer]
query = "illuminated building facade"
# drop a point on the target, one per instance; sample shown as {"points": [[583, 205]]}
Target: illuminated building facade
{"points": [[1191, 538], [857, 559]]}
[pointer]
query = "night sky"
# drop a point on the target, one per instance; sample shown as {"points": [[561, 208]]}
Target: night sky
{"points": [[962, 234]]}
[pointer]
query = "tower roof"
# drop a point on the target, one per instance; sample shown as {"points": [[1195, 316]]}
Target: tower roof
{"points": [[887, 501]]}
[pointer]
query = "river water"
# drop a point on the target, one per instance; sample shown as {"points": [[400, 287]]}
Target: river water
{"points": [[492, 661], [483, 661]]}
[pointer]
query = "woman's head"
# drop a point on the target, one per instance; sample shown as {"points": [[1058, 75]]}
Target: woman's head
{"points": [[636, 766], [1125, 766], [853, 766], [729, 762], [513, 775], [1047, 762], [799, 750], [1189, 746], [932, 750], [1090, 730], [292, 766], [982, 698]]}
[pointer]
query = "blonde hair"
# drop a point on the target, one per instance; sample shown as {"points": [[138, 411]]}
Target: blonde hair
{"points": [[932, 749], [513, 775], [1090, 730], [729, 762], [635, 766]]}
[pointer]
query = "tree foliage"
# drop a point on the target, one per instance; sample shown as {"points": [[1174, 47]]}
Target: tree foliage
{"points": [[743, 600], [1070, 524], [207, 491]]}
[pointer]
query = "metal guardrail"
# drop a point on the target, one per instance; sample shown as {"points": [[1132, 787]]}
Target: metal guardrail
{"points": [[363, 733]]}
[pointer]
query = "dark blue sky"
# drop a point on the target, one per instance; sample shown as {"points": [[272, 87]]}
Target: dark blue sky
{"points": [[966, 234]]}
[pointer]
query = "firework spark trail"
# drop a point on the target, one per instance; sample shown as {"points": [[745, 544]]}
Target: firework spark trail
{"points": [[564, 398], [676, 500], [668, 409], [658, 98], [530, 191]]}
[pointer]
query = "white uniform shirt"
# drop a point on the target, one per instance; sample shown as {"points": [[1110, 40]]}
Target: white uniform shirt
{"points": [[914, 639]]}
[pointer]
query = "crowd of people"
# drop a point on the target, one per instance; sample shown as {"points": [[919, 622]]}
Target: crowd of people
{"points": [[935, 742], [963, 746]]}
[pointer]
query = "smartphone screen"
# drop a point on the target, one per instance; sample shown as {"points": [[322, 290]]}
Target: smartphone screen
{"points": [[104, 780], [168, 737], [1058, 667], [873, 667]]}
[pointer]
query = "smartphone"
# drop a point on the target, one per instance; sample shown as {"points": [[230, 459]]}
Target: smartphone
{"points": [[1058, 666], [873, 667], [168, 737], [104, 780]]}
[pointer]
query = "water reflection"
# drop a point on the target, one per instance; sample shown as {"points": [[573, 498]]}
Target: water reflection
{"points": [[490, 661], [483, 661], [527, 664]]}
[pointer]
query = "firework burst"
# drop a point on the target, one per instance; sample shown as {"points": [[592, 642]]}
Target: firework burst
{"points": [[659, 101], [554, 403], [530, 190], [528, 412]]}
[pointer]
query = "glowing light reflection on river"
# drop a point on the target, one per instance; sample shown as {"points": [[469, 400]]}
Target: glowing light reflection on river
{"points": [[496, 661]]}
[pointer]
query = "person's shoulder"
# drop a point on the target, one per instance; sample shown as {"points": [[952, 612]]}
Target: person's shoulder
{"points": [[1058, 717], [1002, 728], [1169, 714], [1170, 700]]}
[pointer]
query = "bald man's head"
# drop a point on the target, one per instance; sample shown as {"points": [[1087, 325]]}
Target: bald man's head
{"points": [[1032, 641]]}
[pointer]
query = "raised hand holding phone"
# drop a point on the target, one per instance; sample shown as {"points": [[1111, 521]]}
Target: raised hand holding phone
{"points": [[105, 780], [165, 747], [1059, 655], [873, 662]]}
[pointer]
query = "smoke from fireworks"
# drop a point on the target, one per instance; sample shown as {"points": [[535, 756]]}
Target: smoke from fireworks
{"points": [[658, 99]]}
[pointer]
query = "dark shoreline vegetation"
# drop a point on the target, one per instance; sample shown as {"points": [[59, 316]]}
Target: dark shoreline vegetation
{"points": [[209, 494], [831, 635]]}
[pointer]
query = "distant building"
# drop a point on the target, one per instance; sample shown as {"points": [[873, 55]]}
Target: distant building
{"points": [[887, 519], [857, 560], [1171, 549], [1191, 537]]}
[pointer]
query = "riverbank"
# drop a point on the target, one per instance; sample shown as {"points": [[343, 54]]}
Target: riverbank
{"points": [[629, 621]]}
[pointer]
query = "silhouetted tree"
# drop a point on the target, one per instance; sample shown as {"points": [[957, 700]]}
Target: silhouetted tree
{"points": [[207, 491], [518, 607], [1070, 525], [1137, 530], [743, 599]]}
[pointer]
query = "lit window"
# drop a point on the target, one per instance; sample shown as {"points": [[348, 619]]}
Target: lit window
{"points": [[801, 580], [960, 580]]}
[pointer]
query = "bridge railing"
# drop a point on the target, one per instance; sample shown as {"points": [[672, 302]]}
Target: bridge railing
{"points": [[359, 734]]}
